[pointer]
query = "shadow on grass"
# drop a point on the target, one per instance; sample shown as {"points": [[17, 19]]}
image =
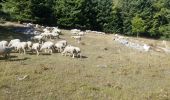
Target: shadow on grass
{"points": [[21, 59], [13, 58], [84, 57], [45, 54], [13, 32]]}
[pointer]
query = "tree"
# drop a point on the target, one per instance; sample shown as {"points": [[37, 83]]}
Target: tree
{"points": [[43, 12], [105, 15], [68, 13], [138, 25], [17, 9]]}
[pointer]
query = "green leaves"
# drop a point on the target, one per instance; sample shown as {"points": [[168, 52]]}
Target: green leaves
{"points": [[138, 25], [130, 17], [18, 10]]}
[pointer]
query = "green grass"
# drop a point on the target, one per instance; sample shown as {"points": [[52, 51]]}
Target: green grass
{"points": [[115, 73]]}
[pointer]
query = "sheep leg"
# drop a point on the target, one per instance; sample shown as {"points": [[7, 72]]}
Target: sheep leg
{"points": [[51, 51], [37, 52], [19, 51], [65, 54], [29, 48], [80, 55], [73, 55], [24, 51], [60, 49]]}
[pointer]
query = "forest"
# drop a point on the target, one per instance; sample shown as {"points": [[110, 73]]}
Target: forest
{"points": [[149, 18]]}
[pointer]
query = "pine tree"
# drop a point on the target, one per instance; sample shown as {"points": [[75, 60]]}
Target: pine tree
{"points": [[68, 13], [42, 11], [17, 9]]}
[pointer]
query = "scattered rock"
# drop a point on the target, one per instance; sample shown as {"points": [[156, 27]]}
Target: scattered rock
{"points": [[105, 49], [23, 78]]}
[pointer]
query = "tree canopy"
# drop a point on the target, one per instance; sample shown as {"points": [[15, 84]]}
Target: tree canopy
{"points": [[129, 17]]}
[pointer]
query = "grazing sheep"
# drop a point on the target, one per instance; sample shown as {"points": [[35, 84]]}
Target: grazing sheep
{"points": [[78, 52], [59, 46], [29, 25], [88, 31], [5, 52], [72, 50], [22, 46], [3, 43], [47, 46], [56, 30], [29, 44], [46, 35], [51, 32], [36, 33], [36, 47], [77, 38], [64, 42], [75, 31], [13, 41], [37, 26], [69, 50], [38, 38], [46, 30], [54, 34], [14, 45], [81, 33]]}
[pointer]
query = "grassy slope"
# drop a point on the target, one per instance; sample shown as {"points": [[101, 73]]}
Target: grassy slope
{"points": [[129, 74]]}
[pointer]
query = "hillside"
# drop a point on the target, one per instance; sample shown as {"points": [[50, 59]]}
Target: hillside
{"points": [[107, 71]]}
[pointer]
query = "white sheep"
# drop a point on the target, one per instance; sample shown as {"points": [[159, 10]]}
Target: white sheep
{"points": [[13, 41], [47, 46], [69, 50], [5, 51], [4, 43], [64, 42], [60, 45], [14, 45], [81, 33], [29, 25], [56, 30], [54, 34], [77, 38], [46, 35], [29, 44], [47, 29], [88, 31], [38, 38], [78, 52], [72, 50], [75, 31], [36, 47], [37, 26], [22, 46]]}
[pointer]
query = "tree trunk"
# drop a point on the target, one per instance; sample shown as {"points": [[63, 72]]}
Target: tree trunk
{"points": [[137, 35]]}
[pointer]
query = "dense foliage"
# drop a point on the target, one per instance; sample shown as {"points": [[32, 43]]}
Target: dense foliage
{"points": [[130, 17]]}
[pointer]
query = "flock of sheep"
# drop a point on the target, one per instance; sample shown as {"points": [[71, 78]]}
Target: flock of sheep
{"points": [[41, 42]]}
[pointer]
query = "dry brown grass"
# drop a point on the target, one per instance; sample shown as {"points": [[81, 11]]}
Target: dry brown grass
{"points": [[108, 71]]}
